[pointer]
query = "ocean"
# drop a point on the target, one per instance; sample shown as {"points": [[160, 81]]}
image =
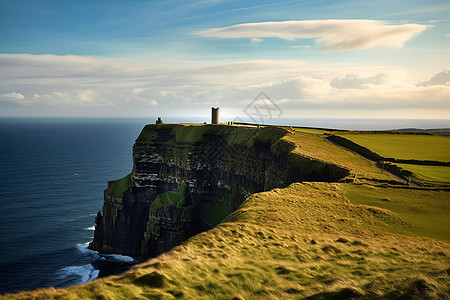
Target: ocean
{"points": [[53, 173], [52, 176]]}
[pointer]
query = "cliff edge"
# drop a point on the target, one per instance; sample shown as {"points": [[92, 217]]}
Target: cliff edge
{"points": [[368, 236], [187, 178]]}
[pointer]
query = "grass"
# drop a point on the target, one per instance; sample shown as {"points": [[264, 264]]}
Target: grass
{"points": [[117, 188], [405, 146], [310, 240], [321, 149], [192, 134], [425, 211], [306, 240], [311, 130], [177, 196], [220, 211], [428, 173], [233, 135]]}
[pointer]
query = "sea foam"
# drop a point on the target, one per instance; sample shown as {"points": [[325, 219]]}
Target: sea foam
{"points": [[86, 272]]}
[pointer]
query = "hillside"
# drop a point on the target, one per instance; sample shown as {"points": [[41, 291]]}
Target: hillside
{"points": [[364, 235]]}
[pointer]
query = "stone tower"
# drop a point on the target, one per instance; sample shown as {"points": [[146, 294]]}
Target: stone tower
{"points": [[214, 115]]}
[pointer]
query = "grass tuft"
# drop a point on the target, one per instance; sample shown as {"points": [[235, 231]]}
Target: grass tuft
{"points": [[153, 279]]}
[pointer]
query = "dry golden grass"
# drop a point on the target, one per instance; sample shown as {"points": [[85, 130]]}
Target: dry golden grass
{"points": [[297, 242]]}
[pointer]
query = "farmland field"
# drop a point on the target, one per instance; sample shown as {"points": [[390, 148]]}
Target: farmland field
{"points": [[311, 130], [404, 146], [429, 173]]}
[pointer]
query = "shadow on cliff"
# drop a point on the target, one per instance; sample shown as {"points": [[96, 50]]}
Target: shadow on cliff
{"points": [[187, 179]]}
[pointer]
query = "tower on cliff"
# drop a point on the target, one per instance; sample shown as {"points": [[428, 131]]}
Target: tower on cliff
{"points": [[214, 115]]}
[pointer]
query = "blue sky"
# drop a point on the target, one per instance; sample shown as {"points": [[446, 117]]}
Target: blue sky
{"points": [[374, 59]]}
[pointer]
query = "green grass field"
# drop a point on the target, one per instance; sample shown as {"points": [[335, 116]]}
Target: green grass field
{"points": [[321, 149], [428, 173], [425, 211], [405, 146], [311, 130]]}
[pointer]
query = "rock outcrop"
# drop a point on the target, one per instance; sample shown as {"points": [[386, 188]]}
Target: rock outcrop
{"points": [[187, 179]]}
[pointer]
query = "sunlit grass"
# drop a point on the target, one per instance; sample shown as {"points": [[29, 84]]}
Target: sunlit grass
{"points": [[405, 146], [429, 173], [426, 212], [311, 130], [319, 148], [304, 240]]}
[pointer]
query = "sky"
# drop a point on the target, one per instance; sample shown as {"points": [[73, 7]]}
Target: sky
{"points": [[298, 59]]}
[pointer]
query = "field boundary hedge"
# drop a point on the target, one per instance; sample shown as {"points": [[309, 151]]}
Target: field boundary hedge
{"points": [[366, 152]]}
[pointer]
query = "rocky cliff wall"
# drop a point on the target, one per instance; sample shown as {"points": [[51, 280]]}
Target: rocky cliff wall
{"points": [[187, 179]]}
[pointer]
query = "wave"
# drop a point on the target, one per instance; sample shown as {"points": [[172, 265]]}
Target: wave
{"points": [[115, 258], [86, 272], [84, 248], [118, 258], [90, 228], [100, 265]]}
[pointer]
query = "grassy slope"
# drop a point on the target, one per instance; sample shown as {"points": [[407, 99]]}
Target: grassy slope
{"points": [[406, 146], [117, 188], [322, 149], [425, 211], [301, 241]]}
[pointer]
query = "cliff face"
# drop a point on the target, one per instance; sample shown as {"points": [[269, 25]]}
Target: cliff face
{"points": [[187, 179]]}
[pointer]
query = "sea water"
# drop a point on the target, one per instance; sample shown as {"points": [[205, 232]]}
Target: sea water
{"points": [[52, 176]]}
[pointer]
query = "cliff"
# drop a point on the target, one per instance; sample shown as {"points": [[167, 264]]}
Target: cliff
{"points": [[365, 237], [187, 179]]}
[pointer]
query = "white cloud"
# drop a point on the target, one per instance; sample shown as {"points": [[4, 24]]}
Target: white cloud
{"points": [[256, 40], [443, 77], [301, 46], [137, 91], [89, 85], [358, 81], [14, 97], [85, 96], [331, 35]]}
